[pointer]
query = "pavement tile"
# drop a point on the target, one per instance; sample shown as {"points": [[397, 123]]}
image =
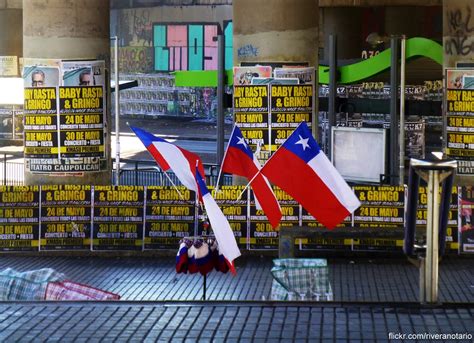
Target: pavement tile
{"points": [[208, 321]]}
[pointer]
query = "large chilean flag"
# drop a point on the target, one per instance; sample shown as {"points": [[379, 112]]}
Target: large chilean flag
{"points": [[301, 169], [240, 160], [169, 156]]}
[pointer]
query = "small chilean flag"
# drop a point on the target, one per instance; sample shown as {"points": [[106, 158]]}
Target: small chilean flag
{"points": [[169, 156], [301, 169], [220, 226], [240, 160]]}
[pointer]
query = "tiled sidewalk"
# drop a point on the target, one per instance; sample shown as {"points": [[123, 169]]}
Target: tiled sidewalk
{"points": [[159, 306], [154, 279], [208, 322]]}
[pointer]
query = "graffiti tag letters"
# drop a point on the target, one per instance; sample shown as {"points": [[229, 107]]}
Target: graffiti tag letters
{"points": [[461, 29], [186, 46]]}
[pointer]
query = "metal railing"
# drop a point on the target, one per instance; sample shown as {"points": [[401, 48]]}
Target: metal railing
{"points": [[147, 173], [12, 169], [132, 172]]}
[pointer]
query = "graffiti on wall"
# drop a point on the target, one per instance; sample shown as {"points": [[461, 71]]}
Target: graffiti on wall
{"points": [[150, 49], [135, 59], [461, 32], [189, 46], [247, 51], [142, 28]]}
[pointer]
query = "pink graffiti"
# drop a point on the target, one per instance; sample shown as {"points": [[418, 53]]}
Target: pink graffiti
{"points": [[178, 44], [210, 47]]}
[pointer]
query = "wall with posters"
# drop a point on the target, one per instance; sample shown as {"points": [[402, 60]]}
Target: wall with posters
{"points": [[65, 121], [466, 220], [269, 103], [460, 119], [137, 218]]}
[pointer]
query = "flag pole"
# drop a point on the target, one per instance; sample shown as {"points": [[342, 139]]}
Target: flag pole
{"points": [[222, 162], [260, 171], [197, 185], [248, 184], [256, 174], [176, 188]]}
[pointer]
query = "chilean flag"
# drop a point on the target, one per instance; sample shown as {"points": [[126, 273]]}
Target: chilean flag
{"points": [[240, 160], [220, 226], [169, 156], [301, 169]]}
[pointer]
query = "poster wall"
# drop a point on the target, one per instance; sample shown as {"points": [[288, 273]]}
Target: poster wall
{"points": [[459, 128], [41, 127], [121, 218], [323, 243], [290, 105], [169, 216], [452, 243], [19, 218], [268, 113], [66, 214], [65, 108], [251, 116], [466, 220], [233, 201], [8, 66], [382, 209], [118, 218]]}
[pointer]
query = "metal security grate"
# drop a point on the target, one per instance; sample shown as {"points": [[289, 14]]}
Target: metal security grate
{"points": [[132, 173]]}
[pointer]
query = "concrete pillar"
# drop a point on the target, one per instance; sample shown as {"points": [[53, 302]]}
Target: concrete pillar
{"points": [[278, 30], [70, 29], [11, 36], [66, 29], [396, 22], [345, 22]]}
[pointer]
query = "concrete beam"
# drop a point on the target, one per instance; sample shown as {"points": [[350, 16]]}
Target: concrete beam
{"points": [[378, 3], [11, 4]]}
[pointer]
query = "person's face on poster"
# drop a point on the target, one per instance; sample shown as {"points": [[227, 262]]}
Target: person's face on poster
{"points": [[37, 79], [455, 79], [457, 82], [85, 80], [44, 76]]}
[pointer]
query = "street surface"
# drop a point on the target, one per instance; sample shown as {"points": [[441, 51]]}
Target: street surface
{"points": [[198, 136], [132, 148], [374, 301]]}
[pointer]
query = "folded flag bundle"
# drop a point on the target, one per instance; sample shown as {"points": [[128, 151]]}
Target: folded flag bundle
{"points": [[182, 256], [200, 256], [203, 257]]}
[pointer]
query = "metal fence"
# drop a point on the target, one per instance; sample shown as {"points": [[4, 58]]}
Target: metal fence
{"points": [[147, 173], [132, 172], [12, 169]]}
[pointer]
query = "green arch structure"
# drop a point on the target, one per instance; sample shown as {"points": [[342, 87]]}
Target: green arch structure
{"points": [[415, 47]]}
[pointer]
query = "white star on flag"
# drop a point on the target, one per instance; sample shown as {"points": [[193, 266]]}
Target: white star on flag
{"points": [[303, 142], [242, 141]]}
